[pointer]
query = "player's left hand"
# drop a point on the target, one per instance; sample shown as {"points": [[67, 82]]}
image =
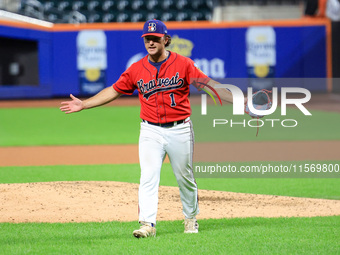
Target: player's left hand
{"points": [[75, 105]]}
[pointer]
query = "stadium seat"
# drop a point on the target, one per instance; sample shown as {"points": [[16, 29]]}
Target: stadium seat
{"points": [[138, 16], [123, 16], [196, 16], [52, 14], [109, 17], [182, 5], [209, 4], [153, 15], [32, 8], [123, 5], [196, 4], [202, 4], [153, 5], [65, 5], [207, 15], [75, 17], [138, 5], [94, 18], [168, 5], [168, 16], [49, 5], [182, 16], [54, 18], [109, 5], [79, 5], [94, 6]]}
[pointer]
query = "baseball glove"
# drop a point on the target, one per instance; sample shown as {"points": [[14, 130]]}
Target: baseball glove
{"points": [[261, 101]]}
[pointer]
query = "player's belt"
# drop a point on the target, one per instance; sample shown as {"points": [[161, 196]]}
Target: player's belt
{"points": [[168, 124]]}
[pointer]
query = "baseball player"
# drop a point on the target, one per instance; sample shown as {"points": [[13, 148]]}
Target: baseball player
{"points": [[162, 79]]}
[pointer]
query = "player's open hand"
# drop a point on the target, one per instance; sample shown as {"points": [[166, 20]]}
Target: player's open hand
{"points": [[75, 105]]}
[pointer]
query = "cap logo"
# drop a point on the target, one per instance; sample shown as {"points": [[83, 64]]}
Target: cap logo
{"points": [[152, 27]]}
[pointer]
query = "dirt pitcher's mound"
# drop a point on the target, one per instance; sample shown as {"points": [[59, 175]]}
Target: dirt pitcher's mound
{"points": [[117, 201]]}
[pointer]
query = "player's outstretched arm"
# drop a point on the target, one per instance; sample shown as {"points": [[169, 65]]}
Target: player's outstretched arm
{"points": [[224, 94], [103, 97]]}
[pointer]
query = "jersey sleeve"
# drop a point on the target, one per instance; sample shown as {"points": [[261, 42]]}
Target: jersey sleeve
{"points": [[195, 75], [125, 84]]}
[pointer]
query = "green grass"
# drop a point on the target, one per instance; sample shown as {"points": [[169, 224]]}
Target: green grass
{"points": [[298, 187], [120, 125], [318, 235], [49, 126]]}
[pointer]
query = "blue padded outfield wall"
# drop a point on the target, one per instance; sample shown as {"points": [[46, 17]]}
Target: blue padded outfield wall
{"points": [[83, 64]]}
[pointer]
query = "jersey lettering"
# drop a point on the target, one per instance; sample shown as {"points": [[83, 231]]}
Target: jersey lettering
{"points": [[177, 73], [163, 84], [172, 97]]}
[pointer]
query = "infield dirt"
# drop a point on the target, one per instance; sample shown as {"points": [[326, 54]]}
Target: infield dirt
{"points": [[117, 201]]}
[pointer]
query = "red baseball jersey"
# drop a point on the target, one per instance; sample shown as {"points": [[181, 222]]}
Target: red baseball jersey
{"points": [[164, 96]]}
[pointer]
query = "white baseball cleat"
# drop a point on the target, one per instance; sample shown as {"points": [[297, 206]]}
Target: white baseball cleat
{"points": [[145, 230], [190, 226]]}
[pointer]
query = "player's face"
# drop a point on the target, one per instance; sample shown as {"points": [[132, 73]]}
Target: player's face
{"points": [[154, 45]]}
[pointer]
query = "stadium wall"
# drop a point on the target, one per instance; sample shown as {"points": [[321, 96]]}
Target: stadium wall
{"points": [[82, 59]]}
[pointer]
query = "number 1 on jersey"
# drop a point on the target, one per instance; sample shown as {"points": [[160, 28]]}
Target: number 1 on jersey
{"points": [[172, 97]]}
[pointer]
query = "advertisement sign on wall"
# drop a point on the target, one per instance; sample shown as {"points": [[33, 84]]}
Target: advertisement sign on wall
{"points": [[91, 61], [261, 56]]}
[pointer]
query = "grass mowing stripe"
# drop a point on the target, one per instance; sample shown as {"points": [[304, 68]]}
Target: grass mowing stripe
{"points": [[120, 125], [300, 187], [223, 236], [49, 126]]}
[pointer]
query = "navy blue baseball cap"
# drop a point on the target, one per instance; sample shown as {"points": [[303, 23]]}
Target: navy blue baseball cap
{"points": [[155, 28]]}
